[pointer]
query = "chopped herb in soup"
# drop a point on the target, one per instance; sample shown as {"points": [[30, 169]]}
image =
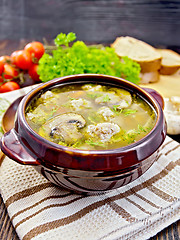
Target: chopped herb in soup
{"points": [[91, 116]]}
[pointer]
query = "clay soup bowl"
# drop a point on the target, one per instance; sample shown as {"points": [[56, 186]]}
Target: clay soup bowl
{"points": [[81, 170]]}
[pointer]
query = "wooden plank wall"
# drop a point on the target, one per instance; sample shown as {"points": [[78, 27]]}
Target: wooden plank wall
{"points": [[94, 21]]}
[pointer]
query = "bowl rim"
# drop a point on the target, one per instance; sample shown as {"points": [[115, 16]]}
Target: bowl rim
{"points": [[45, 86]]}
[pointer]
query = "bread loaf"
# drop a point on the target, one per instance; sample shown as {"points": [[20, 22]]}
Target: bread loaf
{"points": [[146, 55], [170, 61]]}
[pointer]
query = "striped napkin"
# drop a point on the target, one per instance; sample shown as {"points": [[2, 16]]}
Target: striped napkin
{"points": [[41, 211]]}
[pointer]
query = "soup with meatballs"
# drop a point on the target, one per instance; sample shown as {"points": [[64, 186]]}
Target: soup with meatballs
{"points": [[91, 116]]}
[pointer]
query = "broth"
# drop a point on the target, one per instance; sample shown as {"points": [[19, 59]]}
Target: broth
{"points": [[91, 116]]}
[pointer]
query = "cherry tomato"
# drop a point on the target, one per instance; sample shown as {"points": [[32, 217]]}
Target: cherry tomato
{"points": [[9, 71], [36, 49], [22, 59], [5, 59], [33, 72], [1, 67], [14, 56], [9, 86], [1, 79]]}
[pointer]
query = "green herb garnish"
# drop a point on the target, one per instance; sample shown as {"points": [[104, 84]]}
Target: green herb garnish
{"points": [[92, 143], [106, 98], [117, 109], [79, 59], [127, 112], [141, 128], [124, 111]]}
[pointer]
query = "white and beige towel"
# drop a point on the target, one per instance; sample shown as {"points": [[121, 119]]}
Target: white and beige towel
{"points": [[139, 210]]}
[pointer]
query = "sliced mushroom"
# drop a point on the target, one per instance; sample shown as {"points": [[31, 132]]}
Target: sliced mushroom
{"points": [[56, 133], [64, 128], [68, 118]]}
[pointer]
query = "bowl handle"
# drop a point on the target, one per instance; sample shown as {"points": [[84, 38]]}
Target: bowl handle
{"points": [[156, 96], [12, 147]]}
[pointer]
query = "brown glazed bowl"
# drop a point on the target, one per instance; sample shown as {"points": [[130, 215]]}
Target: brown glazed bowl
{"points": [[81, 170]]}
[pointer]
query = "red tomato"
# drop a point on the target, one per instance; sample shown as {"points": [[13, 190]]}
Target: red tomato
{"points": [[9, 71], [5, 59], [1, 79], [36, 49], [1, 67], [33, 72], [9, 86], [22, 59], [14, 56]]}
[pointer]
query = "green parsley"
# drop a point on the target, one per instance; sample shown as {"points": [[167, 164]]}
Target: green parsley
{"points": [[92, 143], [80, 58], [106, 98], [124, 111], [141, 128], [127, 112], [117, 109]]}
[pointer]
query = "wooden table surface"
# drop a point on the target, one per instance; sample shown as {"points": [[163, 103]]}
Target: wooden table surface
{"points": [[7, 231]]}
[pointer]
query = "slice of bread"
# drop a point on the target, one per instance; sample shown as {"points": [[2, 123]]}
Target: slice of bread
{"points": [[170, 61], [146, 55]]}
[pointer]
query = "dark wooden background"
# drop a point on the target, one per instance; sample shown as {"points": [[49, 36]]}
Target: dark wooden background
{"points": [[98, 21]]}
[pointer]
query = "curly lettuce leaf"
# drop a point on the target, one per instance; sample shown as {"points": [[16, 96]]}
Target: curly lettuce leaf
{"points": [[80, 58]]}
